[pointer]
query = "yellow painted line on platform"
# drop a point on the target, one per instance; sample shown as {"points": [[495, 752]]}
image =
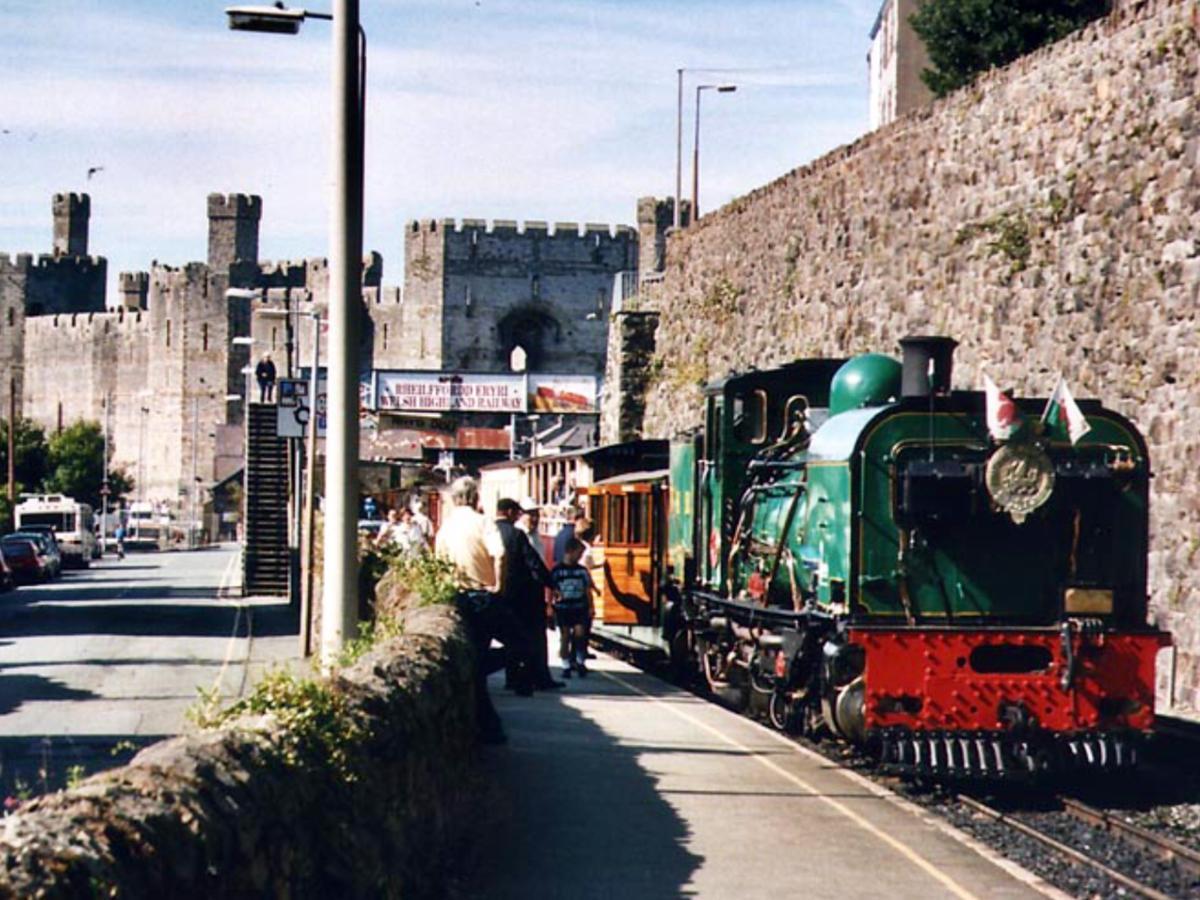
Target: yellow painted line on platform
{"points": [[904, 850]]}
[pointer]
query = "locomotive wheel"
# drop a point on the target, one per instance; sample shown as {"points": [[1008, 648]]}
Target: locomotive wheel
{"points": [[783, 715]]}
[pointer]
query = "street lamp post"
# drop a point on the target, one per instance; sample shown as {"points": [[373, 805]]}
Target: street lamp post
{"points": [[720, 89], [678, 145], [340, 608]]}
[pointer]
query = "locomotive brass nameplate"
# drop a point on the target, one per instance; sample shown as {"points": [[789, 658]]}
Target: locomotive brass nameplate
{"points": [[1087, 602], [1020, 478]]}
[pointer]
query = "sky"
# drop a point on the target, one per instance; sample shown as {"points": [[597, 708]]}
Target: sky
{"points": [[558, 110]]}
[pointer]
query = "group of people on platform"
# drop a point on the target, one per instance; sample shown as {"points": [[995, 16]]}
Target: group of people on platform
{"points": [[507, 577]]}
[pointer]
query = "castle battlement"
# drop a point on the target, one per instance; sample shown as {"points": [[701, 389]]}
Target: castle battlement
{"points": [[23, 263], [67, 326], [531, 228], [234, 206], [47, 262], [71, 203]]}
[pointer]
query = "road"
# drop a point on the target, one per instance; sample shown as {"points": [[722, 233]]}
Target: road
{"points": [[109, 659]]}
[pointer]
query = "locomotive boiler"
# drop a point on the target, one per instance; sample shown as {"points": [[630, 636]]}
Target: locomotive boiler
{"points": [[858, 549]]}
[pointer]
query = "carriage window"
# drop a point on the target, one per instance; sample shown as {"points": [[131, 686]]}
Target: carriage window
{"points": [[598, 517], [614, 531], [639, 514], [795, 413], [750, 417]]}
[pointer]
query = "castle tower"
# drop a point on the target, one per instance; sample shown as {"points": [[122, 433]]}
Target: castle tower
{"points": [[71, 213], [232, 229], [134, 289], [654, 217]]}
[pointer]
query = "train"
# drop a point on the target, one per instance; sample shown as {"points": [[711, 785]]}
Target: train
{"points": [[852, 548]]}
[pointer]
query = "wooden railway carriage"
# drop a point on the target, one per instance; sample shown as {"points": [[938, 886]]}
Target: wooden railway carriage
{"points": [[630, 516], [852, 549]]}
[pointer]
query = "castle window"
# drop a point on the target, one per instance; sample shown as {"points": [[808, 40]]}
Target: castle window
{"points": [[385, 330], [204, 335], [274, 332], [168, 332], [12, 313]]}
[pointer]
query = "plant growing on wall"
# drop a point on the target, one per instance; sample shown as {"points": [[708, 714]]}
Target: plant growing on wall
{"points": [[966, 37]]}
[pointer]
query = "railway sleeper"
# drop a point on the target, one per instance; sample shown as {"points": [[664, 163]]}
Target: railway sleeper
{"points": [[1002, 754]]}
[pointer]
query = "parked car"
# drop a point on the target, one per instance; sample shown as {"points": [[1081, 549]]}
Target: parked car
{"points": [[48, 532], [22, 557], [47, 549], [7, 580]]}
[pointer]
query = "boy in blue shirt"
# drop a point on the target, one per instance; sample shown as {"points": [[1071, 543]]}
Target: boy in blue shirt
{"points": [[572, 590]]}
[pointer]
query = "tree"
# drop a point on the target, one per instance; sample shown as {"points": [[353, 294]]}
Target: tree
{"points": [[76, 465], [29, 465], [966, 37]]}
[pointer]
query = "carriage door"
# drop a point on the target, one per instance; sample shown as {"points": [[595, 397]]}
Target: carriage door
{"points": [[626, 556]]}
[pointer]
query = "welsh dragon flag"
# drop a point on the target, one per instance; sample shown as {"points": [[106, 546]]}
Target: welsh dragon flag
{"points": [[1003, 420], [1063, 413]]}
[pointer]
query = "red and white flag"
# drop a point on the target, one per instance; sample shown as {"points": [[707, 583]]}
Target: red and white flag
{"points": [[1063, 413], [1003, 420]]}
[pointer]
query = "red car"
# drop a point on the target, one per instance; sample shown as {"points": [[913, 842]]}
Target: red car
{"points": [[23, 559]]}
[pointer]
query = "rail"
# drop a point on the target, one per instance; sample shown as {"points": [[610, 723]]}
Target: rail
{"points": [[1163, 847], [1131, 884]]}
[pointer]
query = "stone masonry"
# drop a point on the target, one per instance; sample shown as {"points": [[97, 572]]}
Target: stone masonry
{"points": [[490, 288], [1047, 217], [241, 812]]}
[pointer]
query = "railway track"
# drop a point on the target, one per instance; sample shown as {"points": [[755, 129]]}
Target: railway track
{"points": [[1133, 860]]}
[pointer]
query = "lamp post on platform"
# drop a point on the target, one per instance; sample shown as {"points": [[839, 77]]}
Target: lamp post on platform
{"points": [[340, 607], [720, 89]]}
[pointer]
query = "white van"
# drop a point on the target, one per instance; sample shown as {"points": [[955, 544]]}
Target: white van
{"points": [[71, 521]]}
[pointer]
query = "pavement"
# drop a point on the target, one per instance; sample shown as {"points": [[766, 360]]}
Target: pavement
{"points": [[108, 659], [621, 786]]}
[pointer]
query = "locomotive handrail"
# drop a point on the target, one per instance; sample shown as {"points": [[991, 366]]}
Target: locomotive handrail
{"points": [[746, 613]]}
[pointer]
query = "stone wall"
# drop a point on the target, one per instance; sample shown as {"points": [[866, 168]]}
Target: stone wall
{"points": [[499, 285], [1046, 217], [626, 375], [219, 814]]}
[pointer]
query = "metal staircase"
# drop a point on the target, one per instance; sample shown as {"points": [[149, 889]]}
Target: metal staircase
{"points": [[265, 560]]}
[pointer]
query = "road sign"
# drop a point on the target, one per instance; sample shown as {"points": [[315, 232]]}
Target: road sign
{"points": [[294, 410]]}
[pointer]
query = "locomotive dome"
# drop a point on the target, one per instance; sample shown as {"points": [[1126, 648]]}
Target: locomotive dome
{"points": [[868, 380]]}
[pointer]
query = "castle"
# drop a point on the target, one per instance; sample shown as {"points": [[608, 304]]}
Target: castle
{"points": [[162, 358]]}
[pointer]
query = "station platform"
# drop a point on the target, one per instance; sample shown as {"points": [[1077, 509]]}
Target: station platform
{"points": [[623, 787]]}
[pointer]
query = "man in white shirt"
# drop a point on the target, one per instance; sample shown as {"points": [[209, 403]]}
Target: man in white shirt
{"points": [[472, 542], [469, 539]]}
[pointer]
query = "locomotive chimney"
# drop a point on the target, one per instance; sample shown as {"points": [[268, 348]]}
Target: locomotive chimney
{"points": [[928, 365]]}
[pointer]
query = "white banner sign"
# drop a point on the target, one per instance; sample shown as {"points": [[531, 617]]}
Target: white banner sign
{"points": [[448, 392]]}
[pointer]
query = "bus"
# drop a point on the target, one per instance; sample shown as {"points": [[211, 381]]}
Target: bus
{"points": [[146, 527], [71, 521]]}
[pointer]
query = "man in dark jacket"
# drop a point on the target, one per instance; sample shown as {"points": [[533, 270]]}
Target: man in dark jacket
{"points": [[265, 373], [524, 589], [565, 533]]}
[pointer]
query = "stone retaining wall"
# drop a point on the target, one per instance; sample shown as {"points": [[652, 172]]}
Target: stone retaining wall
{"points": [[218, 814], [1048, 217]]}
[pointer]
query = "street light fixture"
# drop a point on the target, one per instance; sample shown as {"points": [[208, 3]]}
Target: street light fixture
{"points": [[275, 19], [720, 89]]}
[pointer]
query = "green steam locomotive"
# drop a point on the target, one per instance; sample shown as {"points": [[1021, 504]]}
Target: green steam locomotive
{"points": [[953, 581]]}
